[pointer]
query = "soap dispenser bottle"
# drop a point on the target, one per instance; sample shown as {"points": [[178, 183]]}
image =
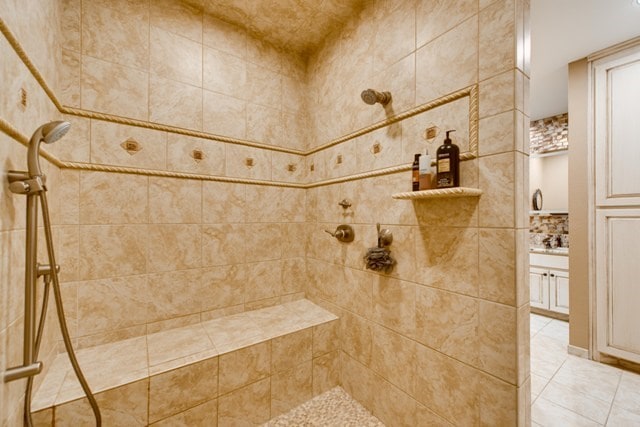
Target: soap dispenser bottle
{"points": [[415, 173], [425, 171], [448, 164]]}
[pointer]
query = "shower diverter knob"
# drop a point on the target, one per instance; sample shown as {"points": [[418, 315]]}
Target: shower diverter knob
{"points": [[343, 233]]}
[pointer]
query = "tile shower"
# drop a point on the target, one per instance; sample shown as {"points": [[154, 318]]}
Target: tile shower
{"points": [[442, 339]]}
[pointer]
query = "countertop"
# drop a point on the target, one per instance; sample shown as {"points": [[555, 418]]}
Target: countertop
{"points": [[554, 251]]}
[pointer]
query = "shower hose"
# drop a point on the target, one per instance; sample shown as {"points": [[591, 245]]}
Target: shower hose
{"points": [[63, 323]]}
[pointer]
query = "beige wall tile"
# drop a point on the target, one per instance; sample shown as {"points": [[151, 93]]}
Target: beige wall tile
{"points": [[118, 35], [204, 414], [124, 405], [497, 180], [264, 280], [174, 103], [448, 322], [524, 345], [112, 198], [264, 53], [498, 346], [266, 242], [392, 406], [183, 18], [497, 38], [114, 89], [237, 158], [357, 338], [69, 78], [70, 24], [326, 372], [426, 417], [224, 36], [102, 302], [222, 287], [248, 406], [448, 258], [497, 94], [226, 74], [380, 149], [326, 338], [394, 36], [459, 47], [394, 304], [224, 115], [106, 140], [357, 380], [263, 124], [498, 402], [113, 250], [75, 146], [290, 350], [174, 247], [173, 294], [223, 202], [244, 366], [223, 244], [264, 87], [288, 167], [180, 155], [498, 265], [175, 200], [435, 18], [448, 387], [497, 133], [175, 57], [291, 388], [394, 358], [174, 391]]}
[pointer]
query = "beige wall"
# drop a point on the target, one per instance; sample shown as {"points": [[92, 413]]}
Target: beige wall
{"points": [[578, 205], [437, 339], [551, 175], [445, 336]]}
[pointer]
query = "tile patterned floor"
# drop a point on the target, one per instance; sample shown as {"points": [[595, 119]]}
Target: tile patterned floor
{"points": [[570, 391], [335, 408]]}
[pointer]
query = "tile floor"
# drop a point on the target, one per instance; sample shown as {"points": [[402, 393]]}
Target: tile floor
{"points": [[570, 391]]}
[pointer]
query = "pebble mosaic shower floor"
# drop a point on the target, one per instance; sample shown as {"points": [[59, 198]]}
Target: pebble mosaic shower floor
{"points": [[335, 408]]}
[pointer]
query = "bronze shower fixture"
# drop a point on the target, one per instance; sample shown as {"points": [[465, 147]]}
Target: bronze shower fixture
{"points": [[371, 96]]}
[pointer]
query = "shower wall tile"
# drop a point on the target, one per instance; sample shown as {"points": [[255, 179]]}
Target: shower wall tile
{"points": [[264, 280], [248, 405], [175, 104], [182, 18], [497, 328], [394, 358], [497, 38], [288, 167], [111, 198], [182, 152], [114, 89], [291, 350], [76, 143], [245, 366], [224, 36], [266, 242], [498, 265], [224, 115], [106, 140], [497, 94], [66, 244], [435, 18], [394, 34], [174, 247], [174, 200], [117, 35], [69, 78], [70, 24], [223, 244], [458, 46], [176, 293], [200, 415], [326, 372], [497, 180], [264, 124], [113, 250], [102, 302], [223, 202], [497, 133], [175, 57], [291, 388], [264, 87], [226, 74], [222, 287], [175, 391]]}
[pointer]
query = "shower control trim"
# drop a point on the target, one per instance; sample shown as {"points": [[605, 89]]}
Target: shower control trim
{"points": [[343, 233]]}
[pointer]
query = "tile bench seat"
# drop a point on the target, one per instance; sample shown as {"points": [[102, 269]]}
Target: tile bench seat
{"points": [[257, 364]]}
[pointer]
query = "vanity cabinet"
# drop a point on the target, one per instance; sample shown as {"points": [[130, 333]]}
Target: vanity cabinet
{"points": [[549, 282]]}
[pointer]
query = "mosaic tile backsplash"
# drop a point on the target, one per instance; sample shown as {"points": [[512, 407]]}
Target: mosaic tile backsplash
{"points": [[545, 231], [549, 134]]}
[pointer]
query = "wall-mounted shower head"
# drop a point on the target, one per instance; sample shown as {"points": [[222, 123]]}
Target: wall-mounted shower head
{"points": [[371, 96], [47, 133]]}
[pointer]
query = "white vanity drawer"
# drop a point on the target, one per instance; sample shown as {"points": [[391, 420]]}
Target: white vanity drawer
{"points": [[549, 261]]}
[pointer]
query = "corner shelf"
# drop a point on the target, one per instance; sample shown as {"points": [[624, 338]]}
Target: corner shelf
{"points": [[439, 193]]}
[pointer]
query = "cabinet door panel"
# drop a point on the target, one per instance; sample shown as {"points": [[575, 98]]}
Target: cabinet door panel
{"points": [[559, 291], [539, 288]]}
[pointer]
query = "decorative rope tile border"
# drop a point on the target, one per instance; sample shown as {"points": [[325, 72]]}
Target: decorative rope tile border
{"points": [[6, 127]]}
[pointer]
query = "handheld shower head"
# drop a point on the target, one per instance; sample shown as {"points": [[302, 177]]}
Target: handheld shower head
{"points": [[47, 133]]}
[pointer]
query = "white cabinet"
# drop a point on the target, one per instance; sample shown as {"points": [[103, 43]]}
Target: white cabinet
{"points": [[549, 282]]}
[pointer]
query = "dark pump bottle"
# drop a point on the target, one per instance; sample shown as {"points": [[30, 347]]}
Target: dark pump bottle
{"points": [[415, 173], [448, 164]]}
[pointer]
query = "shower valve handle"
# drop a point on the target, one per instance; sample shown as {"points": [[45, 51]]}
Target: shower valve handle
{"points": [[343, 233]]}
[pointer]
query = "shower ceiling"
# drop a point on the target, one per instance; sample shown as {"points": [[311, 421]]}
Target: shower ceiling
{"points": [[298, 25]]}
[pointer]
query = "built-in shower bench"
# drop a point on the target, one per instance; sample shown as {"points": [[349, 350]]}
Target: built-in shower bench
{"points": [[250, 366]]}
